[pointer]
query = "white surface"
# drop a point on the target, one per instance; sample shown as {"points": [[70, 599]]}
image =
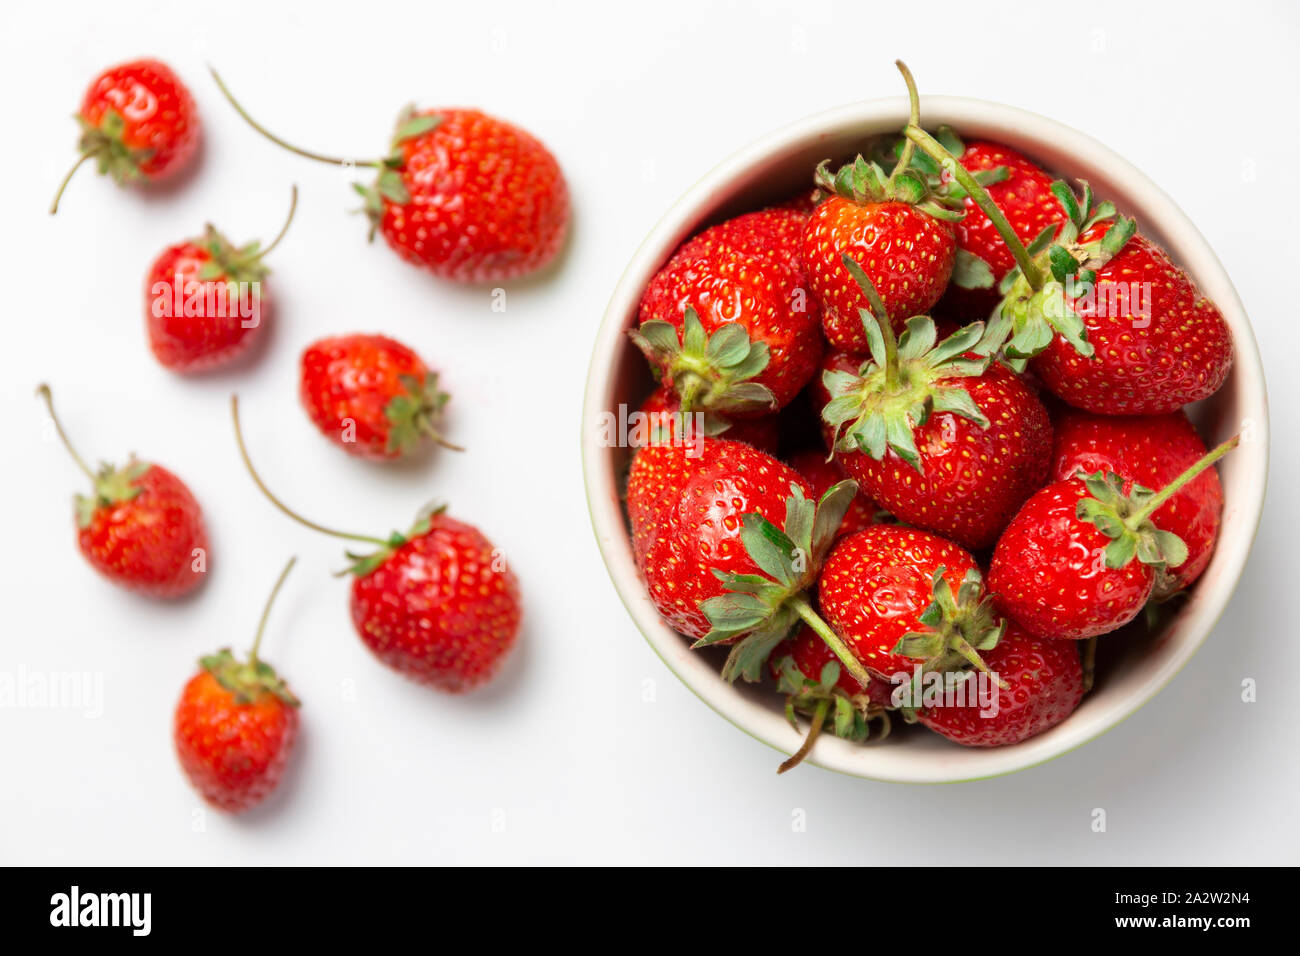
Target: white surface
{"points": [[587, 748]]}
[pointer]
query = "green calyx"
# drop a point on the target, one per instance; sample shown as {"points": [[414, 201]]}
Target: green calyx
{"points": [[957, 628], [414, 415], [864, 181], [231, 263], [761, 610], [851, 717], [389, 184], [363, 564], [103, 144], [249, 680], [708, 372], [903, 383], [1125, 519], [112, 487]]}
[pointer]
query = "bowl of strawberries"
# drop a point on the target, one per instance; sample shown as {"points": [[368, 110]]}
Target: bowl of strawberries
{"points": [[925, 439]]}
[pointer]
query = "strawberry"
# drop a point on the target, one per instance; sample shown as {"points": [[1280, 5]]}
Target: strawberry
{"points": [[204, 300], [1044, 685], [464, 195], [141, 528], [235, 725], [728, 323], [940, 437], [138, 123], [888, 593], [1149, 450], [715, 564], [821, 476], [437, 603], [662, 413], [1064, 567], [371, 395]]}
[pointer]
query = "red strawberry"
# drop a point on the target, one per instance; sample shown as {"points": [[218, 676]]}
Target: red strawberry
{"points": [[204, 300], [371, 395], [235, 726], [940, 437], [141, 528], [895, 228], [138, 123], [1151, 451], [468, 197], [1064, 567], [438, 604], [810, 655], [888, 593], [1044, 685], [821, 476], [661, 412], [728, 322]]}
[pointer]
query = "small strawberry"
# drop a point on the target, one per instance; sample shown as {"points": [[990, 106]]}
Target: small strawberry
{"points": [[464, 195], [1044, 685], [204, 301], [663, 418], [888, 593], [1064, 567], [821, 476], [141, 528], [138, 123], [438, 604], [371, 395], [236, 724], [1149, 450], [940, 437]]}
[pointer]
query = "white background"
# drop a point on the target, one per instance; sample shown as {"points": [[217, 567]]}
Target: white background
{"points": [[587, 748]]}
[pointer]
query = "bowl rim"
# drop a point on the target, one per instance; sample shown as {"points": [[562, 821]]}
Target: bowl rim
{"points": [[1192, 252]]}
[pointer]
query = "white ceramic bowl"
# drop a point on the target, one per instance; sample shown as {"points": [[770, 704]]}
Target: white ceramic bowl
{"points": [[776, 166]]}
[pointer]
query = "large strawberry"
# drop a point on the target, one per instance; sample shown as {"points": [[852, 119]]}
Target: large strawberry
{"points": [[934, 433], [1080, 558], [464, 195], [437, 603], [236, 724], [1149, 450], [138, 124], [371, 395], [141, 527], [205, 304], [662, 421], [1044, 684]]}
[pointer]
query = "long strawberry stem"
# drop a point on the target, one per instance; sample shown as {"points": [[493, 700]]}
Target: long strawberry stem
{"points": [[266, 610], [54, 206], [280, 505], [1177, 485], [818, 719], [823, 630], [293, 207], [882, 317], [319, 157], [43, 391], [914, 119]]}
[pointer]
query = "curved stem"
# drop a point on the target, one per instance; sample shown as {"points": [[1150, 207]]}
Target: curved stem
{"points": [[293, 207], [934, 149], [319, 157], [54, 206], [818, 718], [266, 610], [881, 314], [823, 630], [43, 391], [914, 119], [280, 505], [1175, 486], [963, 647]]}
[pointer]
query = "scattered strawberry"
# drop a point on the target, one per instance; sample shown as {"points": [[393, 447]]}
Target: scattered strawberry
{"points": [[141, 528], [468, 197], [1149, 450], [1064, 567], [1044, 685], [235, 725], [821, 476], [662, 411], [438, 604], [204, 300], [371, 395], [138, 123]]}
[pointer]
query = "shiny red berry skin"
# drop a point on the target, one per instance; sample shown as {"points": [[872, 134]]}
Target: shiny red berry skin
{"points": [[443, 609], [160, 123], [821, 475], [1049, 574], [488, 201], [1046, 685], [810, 654], [763, 433], [233, 753]]}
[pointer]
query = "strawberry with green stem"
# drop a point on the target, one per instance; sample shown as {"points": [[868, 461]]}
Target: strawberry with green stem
{"points": [[1081, 557]]}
